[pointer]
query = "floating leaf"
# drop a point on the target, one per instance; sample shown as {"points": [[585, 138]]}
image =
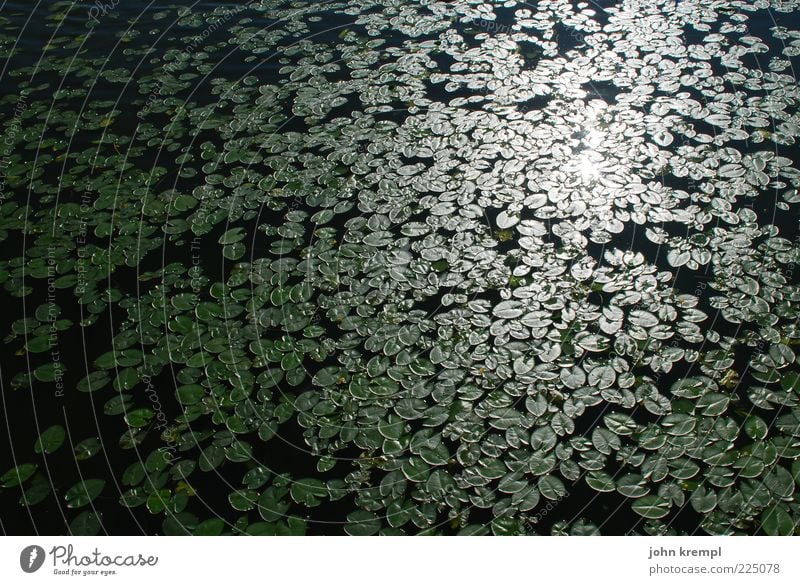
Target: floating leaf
{"points": [[362, 523], [652, 506], [87, 448], [86, 524], [776, 521], [17, 475], [50, 440], [210, 527], [703, 500], [308, 491], [84, 492], [713, 403], [551, 487]]}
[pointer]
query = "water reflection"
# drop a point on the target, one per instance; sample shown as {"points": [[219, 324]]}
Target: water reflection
{"points": [[408, 247]]}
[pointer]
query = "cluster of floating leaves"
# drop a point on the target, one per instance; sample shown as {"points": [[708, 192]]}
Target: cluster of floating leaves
{"points": [[485, 267]]}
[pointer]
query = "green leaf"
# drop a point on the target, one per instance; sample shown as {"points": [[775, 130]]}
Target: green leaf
{"points": [[362, 523], [271, 507], [600, 481], [256, 477], [86, 524], [232, 236], [243, 500], [790, 381], [713, 404], [190, 394], [180, 524], [17, 475], [260, 529], [703, 500], [776, 521], [290, 361], [755, 427], [292, 526], [84, 492], [35, 494], [651, 506], [157, 501], [126, 379], [139, 417], [620, 424], [679, 424], [779, 481], [504, 526], [210, 527], [308, 491], [49, 372], [605, 441], [132, 498], [551, 487], [233, 251], [38, 344], [211, 457], [94, 381], [87, 448], [50, 440]]}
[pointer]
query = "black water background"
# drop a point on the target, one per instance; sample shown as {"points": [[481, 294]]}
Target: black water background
{"points": [[18, 405]]}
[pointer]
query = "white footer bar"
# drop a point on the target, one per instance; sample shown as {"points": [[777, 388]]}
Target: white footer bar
{"points": [[399, 560]]}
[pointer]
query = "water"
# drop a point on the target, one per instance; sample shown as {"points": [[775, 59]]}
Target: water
{"points": [[461, 250]]}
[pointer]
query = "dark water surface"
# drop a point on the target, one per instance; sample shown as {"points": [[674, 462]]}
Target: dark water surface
{"points": [[458, 247]]}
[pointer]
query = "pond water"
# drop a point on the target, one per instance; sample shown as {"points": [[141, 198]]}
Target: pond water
{"points": [[400, 267]]}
